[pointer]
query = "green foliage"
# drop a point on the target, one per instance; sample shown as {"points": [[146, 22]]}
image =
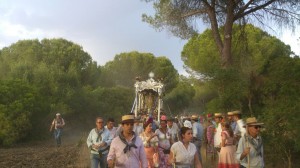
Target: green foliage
{"points": [[17, 104], [56, 75], [125, 67], [281, 97], [237, 86], [180, 97]]}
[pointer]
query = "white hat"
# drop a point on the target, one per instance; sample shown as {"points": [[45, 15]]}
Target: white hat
{"points": [[187, 123], [57, 114]]}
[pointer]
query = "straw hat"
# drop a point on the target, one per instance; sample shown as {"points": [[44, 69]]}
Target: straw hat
{"points": [[127, 118], [252, 121], [194, 117], [230, 113], [218, 114], [236, 112]]}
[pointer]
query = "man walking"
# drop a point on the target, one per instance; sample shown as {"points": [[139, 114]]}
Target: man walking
{"points": [[127, 149], [250, 149], [98, 141], [58, 123]]}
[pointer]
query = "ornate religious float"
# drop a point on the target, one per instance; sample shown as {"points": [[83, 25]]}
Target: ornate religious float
{"points": [[148, 97]]}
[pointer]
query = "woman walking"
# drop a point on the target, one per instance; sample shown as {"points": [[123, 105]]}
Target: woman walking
{"points": [[150, 142], [184, 153], [227, 153], [164, 143]]}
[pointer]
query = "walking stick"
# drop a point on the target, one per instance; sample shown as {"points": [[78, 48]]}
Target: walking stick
{"points": [[247, 144]]}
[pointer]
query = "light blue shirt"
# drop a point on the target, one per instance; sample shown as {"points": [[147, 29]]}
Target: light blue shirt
{"points": [[197, 130], [93, 139]]}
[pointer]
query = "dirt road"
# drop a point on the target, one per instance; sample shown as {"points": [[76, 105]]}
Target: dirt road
{"points": [[72, 154]]}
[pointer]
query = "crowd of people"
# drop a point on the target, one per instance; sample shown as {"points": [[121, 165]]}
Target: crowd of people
{"points": [[173, 142]]}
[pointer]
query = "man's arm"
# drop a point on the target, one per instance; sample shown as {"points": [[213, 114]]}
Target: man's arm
{"points": [[111, 155]]}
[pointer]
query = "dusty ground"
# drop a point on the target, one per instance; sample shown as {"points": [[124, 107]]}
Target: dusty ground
{"points": [[73, 153]]}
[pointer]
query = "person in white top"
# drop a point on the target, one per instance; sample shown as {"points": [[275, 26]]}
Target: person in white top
{"points": [[58, 123], [217, 136], [239, 129], [184, 153], [173, 129]]}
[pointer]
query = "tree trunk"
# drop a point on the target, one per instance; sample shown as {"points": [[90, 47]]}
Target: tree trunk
{"points": [[224, 47], [226, 60]]}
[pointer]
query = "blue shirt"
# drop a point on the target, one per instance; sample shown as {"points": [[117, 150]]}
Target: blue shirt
{"points": [[94, 139]]}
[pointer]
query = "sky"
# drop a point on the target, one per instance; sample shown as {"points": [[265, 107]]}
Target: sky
{"points": [[104, 28]]}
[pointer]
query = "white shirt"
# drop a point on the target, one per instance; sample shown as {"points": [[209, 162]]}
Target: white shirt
{"points": [[239, 128], [182, 154], [135, 158], [174, 131], [256, 161], [164, 139], [217, 136]]}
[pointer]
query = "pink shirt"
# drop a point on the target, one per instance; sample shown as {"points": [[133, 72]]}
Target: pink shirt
{"points": [[135, 158]]}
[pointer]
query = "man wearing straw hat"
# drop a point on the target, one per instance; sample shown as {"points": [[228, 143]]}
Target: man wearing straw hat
{"points": [[127, 149], [231, 120], [250, 148]]}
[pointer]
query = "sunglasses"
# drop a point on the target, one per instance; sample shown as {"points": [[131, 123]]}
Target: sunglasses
{"points": [[256, 126], [100, 122], [131, 124]]}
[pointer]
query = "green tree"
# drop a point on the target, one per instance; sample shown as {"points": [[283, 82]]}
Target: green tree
{"points": [[180, 97], [281, 106], [181, 16], [127, 66], [18, 102], [237, 86]]}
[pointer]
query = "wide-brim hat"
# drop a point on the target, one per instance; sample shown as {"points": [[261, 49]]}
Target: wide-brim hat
{"points": [[194, 117], [231, 113], [252, 121], [127, 118], [218, 114], [236, 112]]}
